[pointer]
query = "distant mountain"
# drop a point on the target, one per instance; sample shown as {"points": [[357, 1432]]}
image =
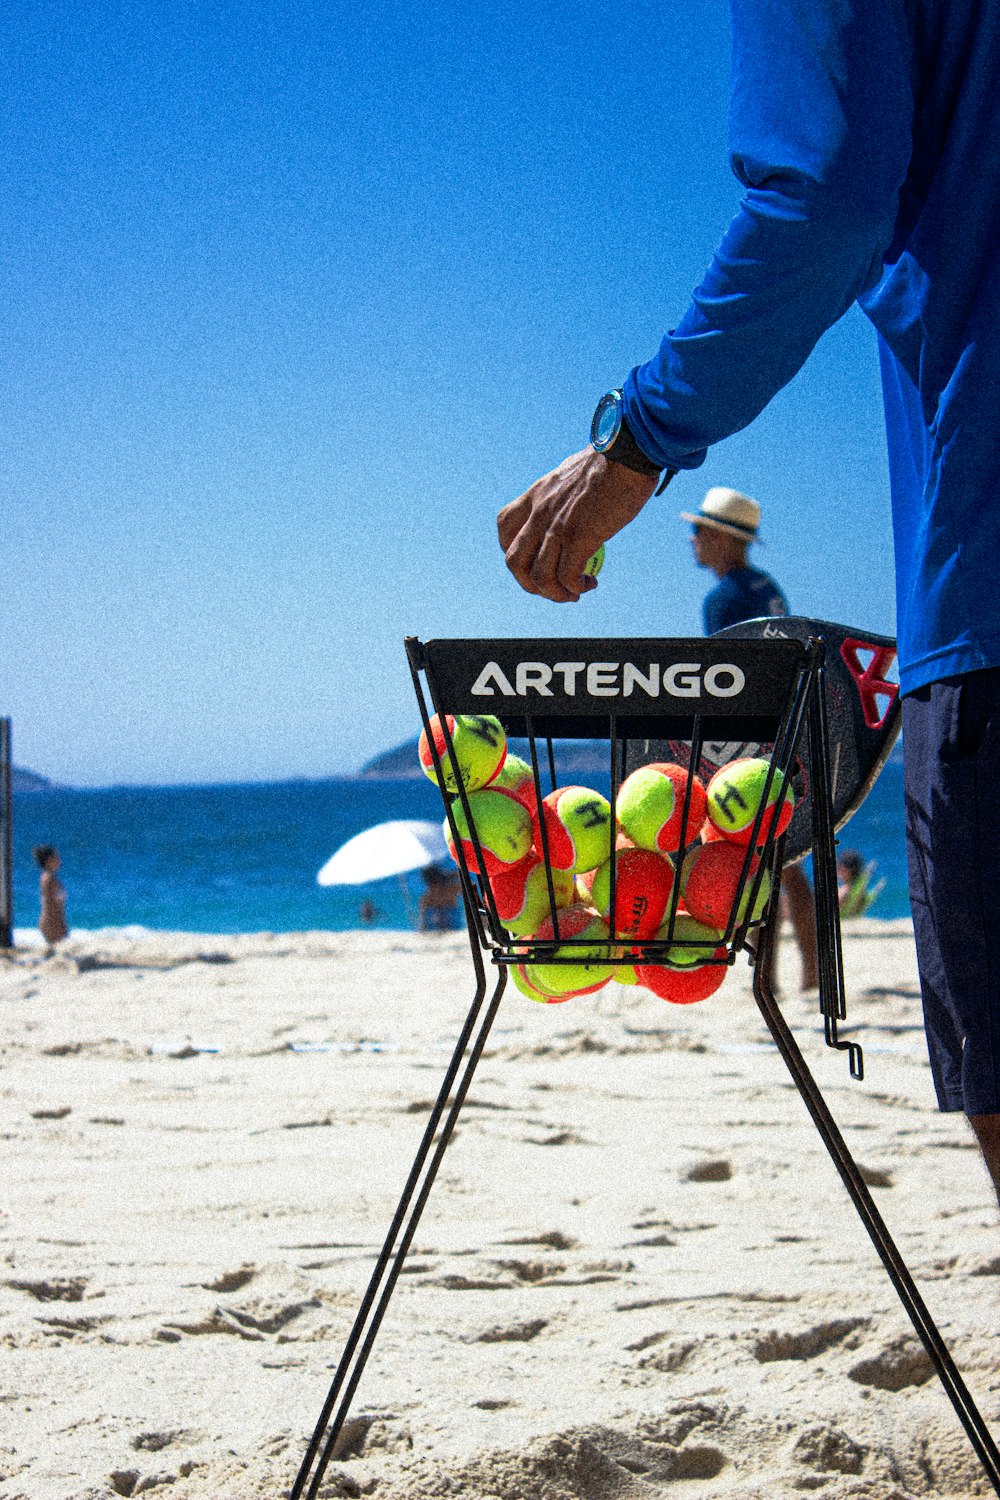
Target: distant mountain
{"points": [[30, 781], [573, 757]]}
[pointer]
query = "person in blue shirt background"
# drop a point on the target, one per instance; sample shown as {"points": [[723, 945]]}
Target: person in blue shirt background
{"points": [[866, 137], [724, 527], [723, 530]]}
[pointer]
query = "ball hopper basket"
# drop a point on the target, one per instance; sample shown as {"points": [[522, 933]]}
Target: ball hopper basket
{"points": [[816, 701]]}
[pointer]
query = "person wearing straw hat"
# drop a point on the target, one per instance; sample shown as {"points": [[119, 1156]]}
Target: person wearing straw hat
{"points": [[863, 137], [724, 527]]}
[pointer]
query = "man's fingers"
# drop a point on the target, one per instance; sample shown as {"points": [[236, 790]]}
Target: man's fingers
{"points": [[511, 519], [545, 572]]}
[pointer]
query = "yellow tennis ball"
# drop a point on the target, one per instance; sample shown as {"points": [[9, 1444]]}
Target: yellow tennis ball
{"points": [[521, 893], [590, 968], [503, 827], [735, 794], [480, 749], [577, 829], [594, 563]]}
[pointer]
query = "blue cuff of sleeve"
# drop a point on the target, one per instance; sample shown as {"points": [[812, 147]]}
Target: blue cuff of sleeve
{"points": [[650, 436]]}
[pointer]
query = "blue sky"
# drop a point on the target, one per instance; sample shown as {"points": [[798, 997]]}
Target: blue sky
{"points": [[296, 297]]}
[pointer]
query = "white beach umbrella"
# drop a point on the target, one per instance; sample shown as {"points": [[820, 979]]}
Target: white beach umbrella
{"points": [[387, 849]]}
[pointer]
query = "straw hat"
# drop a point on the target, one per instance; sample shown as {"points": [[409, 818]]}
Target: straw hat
{"points": [[727, 510]]}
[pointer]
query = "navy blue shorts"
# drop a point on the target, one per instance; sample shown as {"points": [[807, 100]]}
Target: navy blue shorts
{"points": [[951, 754]]}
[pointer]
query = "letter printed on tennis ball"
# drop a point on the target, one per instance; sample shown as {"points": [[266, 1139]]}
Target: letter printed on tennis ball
{"points": [[650, 806], [736, 792], [480, 749], [587, 968], [503, 826], [521, 893], [710, 878], [577, 829], [643, 883]]}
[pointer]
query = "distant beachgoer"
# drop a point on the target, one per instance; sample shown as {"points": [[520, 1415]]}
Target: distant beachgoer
{"points": [[368, 912], [439, 902], [52, 920], [723, 530], [855, 891]]}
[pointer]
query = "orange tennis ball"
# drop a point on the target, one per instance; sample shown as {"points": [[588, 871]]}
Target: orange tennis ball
{"points": [[588, 968], [480, 746], [521, 893], [710, 878], [643, 883], [683, 986], [735, 794], [503, 826], [577, 825], [650, 806]]}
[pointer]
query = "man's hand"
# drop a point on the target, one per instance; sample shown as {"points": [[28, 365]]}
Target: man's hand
{"points": [[549, 533]]}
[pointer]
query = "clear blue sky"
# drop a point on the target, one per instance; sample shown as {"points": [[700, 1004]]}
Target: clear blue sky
{"points": [[296, 296]]}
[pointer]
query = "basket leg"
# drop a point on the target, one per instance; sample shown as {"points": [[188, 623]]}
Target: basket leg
{"points": [[369, 1317], [968, 1413]]}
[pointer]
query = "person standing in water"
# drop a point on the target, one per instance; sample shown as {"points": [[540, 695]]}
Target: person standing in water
{"points": [[52, 920]]}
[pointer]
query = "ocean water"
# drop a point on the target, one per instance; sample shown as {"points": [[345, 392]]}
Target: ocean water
{"points": [[230, 859]]}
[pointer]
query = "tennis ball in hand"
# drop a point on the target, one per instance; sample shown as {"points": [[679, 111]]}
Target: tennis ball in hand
{"points": [[521, 893], [480, 748], [643, 883], [589, 968], [650, 806], [736, 793], [577, 826], [502, 825], [710, 877], [594, 563]]}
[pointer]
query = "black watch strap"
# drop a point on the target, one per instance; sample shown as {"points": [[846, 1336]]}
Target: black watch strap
{"points": [[626, 451]]}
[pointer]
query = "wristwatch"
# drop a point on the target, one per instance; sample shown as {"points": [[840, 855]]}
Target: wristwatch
{"points": [[610, 435]]}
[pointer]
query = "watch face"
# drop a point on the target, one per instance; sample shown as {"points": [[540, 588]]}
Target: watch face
{"points": [[607, 421]]}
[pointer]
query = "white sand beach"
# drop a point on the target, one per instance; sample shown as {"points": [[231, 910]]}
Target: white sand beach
{"points": [[638, 1274]]}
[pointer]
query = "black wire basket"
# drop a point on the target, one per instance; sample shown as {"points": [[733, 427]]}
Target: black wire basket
{"points": [[712, 732]]}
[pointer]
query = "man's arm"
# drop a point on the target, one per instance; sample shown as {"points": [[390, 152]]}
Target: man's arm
{"points": [[821, 131]]}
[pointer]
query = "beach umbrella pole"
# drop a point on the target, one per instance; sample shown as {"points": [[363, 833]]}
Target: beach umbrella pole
{"points": [[434, 1142]]}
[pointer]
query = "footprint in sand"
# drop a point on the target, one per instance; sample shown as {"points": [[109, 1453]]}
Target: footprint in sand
{"points": [[902, 1363], [827, 1450], [515, 1333], [710, 1171], [57, 1289], [231, 1281], [807, 1343]]}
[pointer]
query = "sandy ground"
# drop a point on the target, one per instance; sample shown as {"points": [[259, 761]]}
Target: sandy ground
{"points": [[638, 1274]]}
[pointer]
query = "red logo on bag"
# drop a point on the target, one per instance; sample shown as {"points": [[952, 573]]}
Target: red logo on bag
{"points": [[871, 680]]}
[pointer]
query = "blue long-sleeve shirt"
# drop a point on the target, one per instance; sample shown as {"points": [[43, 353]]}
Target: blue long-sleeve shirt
{"points": [[866, 134]]}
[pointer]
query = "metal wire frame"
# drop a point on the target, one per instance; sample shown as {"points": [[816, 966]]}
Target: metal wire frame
{"points": [[413, 1200], [808, 700]]}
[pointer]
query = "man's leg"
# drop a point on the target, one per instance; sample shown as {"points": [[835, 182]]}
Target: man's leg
{"points": [[987, 1128], [798, 899], [951, 750]]}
